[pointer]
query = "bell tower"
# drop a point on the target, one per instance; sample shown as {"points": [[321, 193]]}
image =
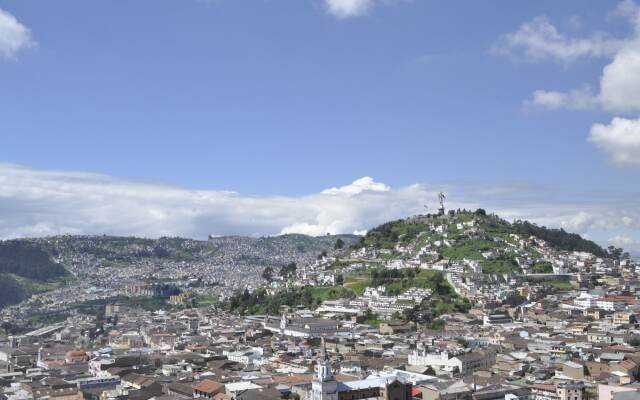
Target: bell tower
{"points": [[324, 385]]}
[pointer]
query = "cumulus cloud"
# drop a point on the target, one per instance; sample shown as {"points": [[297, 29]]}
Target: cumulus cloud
{"points": [[627, 243], [578, 99], [343, 9], [620, 140], [620, 81], [619, 90], [13, 36], [539, 40], [359, 186], [619, 87], [621, 241], [348, 8], [35, 202], [39, 203]]}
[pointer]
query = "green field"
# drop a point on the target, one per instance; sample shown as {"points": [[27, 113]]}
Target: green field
{"points": [[471, 249], [500, 265], [259, 302], [560, 285], [544, 267], [397, 281], [202, 301]]}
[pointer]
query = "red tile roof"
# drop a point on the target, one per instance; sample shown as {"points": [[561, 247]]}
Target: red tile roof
{"points": [[208, 386], [543, 386]]}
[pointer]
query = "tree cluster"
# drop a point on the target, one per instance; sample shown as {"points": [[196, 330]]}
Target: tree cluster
{"points": [[10, 291], [288, 270], [28, 261], [260, 302], [559, 238]]}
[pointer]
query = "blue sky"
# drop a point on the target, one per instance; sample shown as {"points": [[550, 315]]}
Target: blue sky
{"points": [[288, 98]]}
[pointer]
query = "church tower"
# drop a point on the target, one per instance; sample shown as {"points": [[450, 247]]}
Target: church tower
{"points": [[324, 385], [283, 323]]}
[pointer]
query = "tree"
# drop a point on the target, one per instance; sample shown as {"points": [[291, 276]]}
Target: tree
{"points": [[634, 341], [614, 252], [339, 279], [480, 211], [29, 261], [288, 270], [514, 300], [559, 238], [267, 274], [339, 244], [367, 316], [10, 291]]}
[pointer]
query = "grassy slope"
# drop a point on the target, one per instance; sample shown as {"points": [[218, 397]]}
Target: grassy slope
{"points": [[26, 269]]}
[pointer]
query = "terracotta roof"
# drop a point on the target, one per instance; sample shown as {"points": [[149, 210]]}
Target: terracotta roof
{"points": [[543, 386], [345, 378], [627, 364], [621, 349], [208, 386]]}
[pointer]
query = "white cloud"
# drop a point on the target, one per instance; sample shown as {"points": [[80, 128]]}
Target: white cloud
{"points": [[359, 186], [620, 81], [37, 203], [578, 99], [13, 36], [341, 9], [619, 91], [620, 140], [619, 86], [621, 241], [348, 8], [540, 40], [579, 222], [627, 243]]}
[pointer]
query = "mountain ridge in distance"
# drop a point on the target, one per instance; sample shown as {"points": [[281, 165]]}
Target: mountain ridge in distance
{"points": [[235, 254]]}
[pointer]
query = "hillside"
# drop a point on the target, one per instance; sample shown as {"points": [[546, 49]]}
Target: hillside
{"points": [[465, 237], [422, 267], [397, 256], [25, 268], [115, 250], [29, 266], [390, 234]]}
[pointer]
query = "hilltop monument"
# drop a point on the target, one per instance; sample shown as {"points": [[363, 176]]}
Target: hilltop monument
{"points": [[441, 197]]}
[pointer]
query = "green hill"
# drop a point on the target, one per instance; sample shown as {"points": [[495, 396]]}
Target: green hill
{"points": [[25, 268], [404, 231], [28, 261], [559, 238]]}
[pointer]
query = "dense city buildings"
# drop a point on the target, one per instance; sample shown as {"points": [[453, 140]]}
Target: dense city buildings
{"points": [[457, 306]]}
